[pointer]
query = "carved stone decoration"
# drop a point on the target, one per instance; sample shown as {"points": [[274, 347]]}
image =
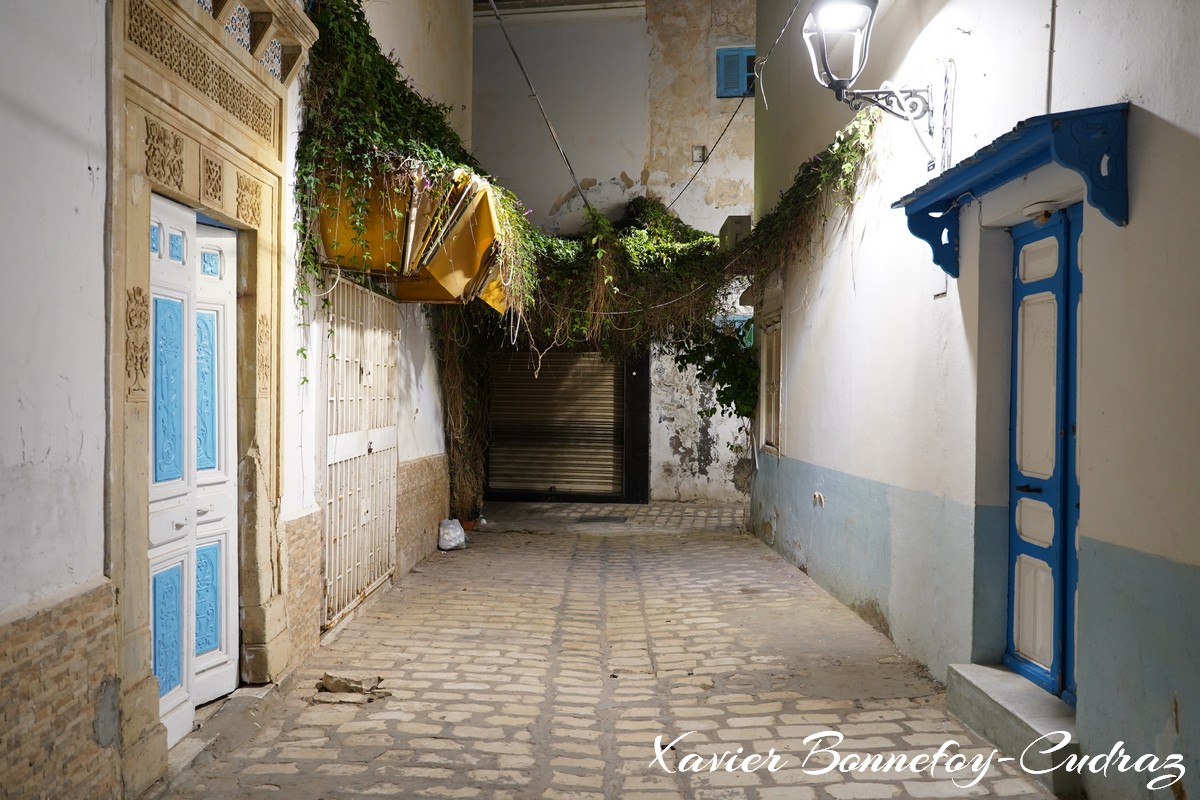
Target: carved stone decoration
{"points": [[175, 50], [164, 154], [137, 342], [249, 200], [264, 355], [213, 183]]}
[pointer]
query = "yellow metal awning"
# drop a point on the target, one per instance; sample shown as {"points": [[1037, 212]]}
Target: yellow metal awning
{"points": [[433, 246]]}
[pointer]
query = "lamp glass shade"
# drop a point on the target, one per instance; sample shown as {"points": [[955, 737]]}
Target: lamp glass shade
{"points": [[837, 34]]}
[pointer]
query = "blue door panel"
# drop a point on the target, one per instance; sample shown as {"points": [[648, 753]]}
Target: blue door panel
{"points": [[208, 598], [167, 633], [168, 389], [206, 390]]}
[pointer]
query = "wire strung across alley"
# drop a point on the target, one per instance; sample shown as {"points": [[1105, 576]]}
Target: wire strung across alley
{"points": [[533, 92], [759, 64]]}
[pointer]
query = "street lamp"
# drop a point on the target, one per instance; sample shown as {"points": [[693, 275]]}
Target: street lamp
{"points": [[838, 36]]}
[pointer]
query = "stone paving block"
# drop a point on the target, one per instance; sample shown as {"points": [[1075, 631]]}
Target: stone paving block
{"points": [[942, 789], [786, 793], [543, 664], [863, 791]]}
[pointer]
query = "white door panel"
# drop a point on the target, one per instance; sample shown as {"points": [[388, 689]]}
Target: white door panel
{"points": [[193, 542]]}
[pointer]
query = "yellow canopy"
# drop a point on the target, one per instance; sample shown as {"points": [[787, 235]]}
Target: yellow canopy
{"points": [[435, 247]]}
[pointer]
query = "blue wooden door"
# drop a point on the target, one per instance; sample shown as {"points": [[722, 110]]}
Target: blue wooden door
{"points": [[192, 508], [1043, 483]]}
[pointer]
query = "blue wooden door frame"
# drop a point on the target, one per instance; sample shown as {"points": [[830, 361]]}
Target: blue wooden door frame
{"points": [[1061, 490]]}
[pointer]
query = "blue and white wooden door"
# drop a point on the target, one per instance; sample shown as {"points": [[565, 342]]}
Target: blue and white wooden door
{"points": [[1043, 484], [193, 591], [216, 615]]}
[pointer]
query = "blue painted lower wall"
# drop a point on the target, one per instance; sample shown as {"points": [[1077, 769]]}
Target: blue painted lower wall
{"points": [[935, 571], [904, 556], [1139, 664]]}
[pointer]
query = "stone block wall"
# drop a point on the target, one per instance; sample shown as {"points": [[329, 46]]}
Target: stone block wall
{"points": [[305, 589], [59, 725], [422, 501]]}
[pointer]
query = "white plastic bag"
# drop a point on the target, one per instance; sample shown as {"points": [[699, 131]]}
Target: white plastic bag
{"points": [[451, 535]]}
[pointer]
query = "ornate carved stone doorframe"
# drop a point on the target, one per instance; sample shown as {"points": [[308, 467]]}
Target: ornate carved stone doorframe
{"points": [[197, 103]]}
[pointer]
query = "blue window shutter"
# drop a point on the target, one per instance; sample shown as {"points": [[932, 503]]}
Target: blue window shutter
{"points": [[735, 71]]}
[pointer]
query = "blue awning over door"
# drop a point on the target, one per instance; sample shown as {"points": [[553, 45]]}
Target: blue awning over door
{"points": [[1092, 142]]}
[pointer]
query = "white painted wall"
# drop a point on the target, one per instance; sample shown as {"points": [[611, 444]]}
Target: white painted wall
{"points": [[878, 372], [1141, 333], [301, 401], [432, 41], [880, 376], [52, 396], [590, 69], [420, 427]]}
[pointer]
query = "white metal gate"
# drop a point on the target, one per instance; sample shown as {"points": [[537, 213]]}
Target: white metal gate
{"points": [[361, 419]]}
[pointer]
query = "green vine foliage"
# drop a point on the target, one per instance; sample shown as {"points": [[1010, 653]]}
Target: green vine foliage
{"points": [[828, 179], [366, 135], [724, 358], [624, 286]]}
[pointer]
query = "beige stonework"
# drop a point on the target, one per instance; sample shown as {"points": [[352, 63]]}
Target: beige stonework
{"points": [[195, 118], [423, 500], [305, 591], [59, 725]]}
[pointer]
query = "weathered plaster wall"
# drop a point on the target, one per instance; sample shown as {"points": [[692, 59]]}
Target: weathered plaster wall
{"points": [[888, 385], [52, 395], [685, 110], [693, 457], [432, 43], [628, 119], [590, 69]]}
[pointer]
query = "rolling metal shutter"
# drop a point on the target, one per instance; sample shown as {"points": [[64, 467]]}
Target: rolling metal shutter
{"points": [[562, 431]]}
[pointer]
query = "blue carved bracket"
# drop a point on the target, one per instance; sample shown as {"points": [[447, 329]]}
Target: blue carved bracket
{"points": [[938, 227], [1091, 142], [1096, 148]]}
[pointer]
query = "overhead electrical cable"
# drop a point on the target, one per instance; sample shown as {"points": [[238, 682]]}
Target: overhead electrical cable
{"points": [[541, 107], [759, 64]]}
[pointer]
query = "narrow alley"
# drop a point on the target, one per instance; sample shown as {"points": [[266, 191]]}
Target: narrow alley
{"points": [[545, 659]]}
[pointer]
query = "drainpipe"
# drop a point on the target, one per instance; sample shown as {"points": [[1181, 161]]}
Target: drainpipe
{"points": [[1050, 56]]}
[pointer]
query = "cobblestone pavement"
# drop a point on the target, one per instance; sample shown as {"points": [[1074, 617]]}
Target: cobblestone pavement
{"points": [[543, 661]]}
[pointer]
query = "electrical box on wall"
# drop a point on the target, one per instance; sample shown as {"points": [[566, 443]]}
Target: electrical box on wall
{"points": [[735, 72], [735, 229]]}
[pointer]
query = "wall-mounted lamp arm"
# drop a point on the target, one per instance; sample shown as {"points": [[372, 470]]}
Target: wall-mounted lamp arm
{"points": [[909, 104]]}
